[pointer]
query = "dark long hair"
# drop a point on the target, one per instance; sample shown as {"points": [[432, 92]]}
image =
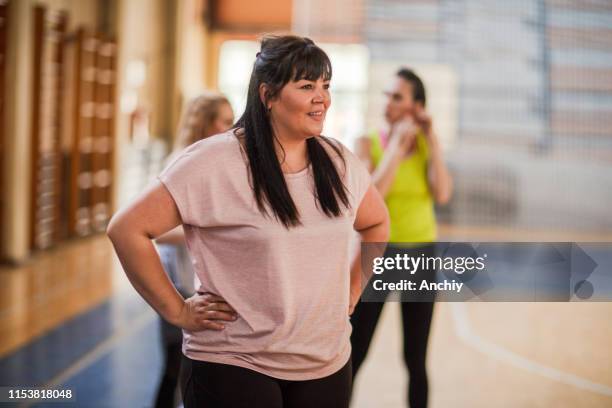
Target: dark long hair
{"points": [[418, 89], [280, 60]]}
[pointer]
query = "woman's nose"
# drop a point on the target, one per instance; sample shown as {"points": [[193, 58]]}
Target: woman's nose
{"points": [[319, 97]]}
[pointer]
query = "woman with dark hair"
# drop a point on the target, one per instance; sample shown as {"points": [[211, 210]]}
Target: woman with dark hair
{"points": [[205, 115], [268, 210], [409, 171]]}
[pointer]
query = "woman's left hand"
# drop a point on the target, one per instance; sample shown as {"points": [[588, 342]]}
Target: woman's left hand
{"points": [[423, 120]]}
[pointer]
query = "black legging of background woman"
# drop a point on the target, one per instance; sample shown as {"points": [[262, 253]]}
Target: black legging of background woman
{"points": [[416, 319]]}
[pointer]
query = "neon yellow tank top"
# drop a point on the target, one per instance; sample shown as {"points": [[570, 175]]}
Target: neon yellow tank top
{"points": [[409, 200]]}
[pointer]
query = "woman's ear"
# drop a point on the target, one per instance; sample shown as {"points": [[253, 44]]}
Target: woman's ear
{"points": [[263, 95]]}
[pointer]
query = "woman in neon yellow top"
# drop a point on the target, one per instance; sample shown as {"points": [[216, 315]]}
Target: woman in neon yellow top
{"points": [[409, 171]]}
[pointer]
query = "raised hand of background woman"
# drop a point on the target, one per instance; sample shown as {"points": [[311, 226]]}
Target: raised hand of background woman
{"points": [[423, 119], [403, 135]]}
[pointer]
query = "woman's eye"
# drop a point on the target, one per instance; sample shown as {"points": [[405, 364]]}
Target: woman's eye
{"points": [[326, 86], [307, 86]]}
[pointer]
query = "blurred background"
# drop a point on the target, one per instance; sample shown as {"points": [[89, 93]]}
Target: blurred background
{"points": [[90, 97]]}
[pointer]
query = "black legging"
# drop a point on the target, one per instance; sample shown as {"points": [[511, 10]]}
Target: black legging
{"points": [[213, 385], [416, 318]]}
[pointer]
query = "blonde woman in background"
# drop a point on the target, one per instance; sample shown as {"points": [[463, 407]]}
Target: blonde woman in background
{"points": [[203, 116]]}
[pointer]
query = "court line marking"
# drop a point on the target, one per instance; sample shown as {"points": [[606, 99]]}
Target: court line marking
{"points": [[462, 327], [465, 332], [97, 352]]}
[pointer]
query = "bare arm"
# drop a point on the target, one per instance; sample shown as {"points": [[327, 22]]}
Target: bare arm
{"points": [[131, 231], [438, 177], [384, 174], [372, 224]]}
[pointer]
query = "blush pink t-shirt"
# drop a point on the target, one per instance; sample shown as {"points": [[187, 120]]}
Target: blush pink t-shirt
{"points": [[290, 287]]}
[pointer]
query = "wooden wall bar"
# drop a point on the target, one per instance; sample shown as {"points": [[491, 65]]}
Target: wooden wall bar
{"points": [[49, 31], [4, 15], [93, 115], [81, 163], [102, 160]]}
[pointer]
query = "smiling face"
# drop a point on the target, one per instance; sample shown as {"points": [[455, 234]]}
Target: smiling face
{"points": [[299, 109]]}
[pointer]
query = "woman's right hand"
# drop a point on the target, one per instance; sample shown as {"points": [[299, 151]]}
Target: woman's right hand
{"points": [[402, 135], [205, 312]]}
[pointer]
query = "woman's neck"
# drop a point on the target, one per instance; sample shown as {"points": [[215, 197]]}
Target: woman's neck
{"points": [[292, 152]]}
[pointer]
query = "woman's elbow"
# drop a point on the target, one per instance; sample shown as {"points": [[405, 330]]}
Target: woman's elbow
{"points": [[443, 198], [385, 227], [443, 195], [111, 228], [115, 227], [387, 231]]}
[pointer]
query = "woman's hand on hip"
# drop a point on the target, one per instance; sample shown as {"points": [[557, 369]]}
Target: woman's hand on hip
{"points": [[205, 312]]}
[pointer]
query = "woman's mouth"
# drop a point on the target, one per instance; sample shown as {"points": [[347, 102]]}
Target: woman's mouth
{"points": [[316, 115]]}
